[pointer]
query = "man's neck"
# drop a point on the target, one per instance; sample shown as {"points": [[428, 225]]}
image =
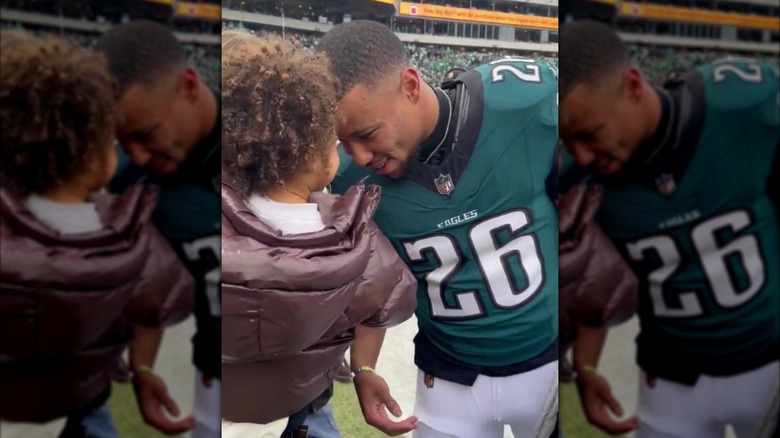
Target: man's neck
{"points": [[653, 147], [429, 105], [430, 150], [203, 156], [208, 110], [653, 111]]}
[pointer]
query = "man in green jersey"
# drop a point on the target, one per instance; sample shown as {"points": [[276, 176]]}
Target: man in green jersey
{"points": [[170, 135], [686, 170], [464, 171]]}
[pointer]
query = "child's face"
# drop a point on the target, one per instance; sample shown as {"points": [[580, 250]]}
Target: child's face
{"points": [[111, 163], [332, 164], [323, 172], [103, 167]]}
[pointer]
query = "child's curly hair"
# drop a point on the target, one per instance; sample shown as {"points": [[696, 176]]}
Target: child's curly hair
{"points": [[56, 110], [278, 110]]}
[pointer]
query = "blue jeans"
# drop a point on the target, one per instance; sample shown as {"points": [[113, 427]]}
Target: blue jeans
{"points": [[99, 424], [322, 424], [201, 430]]}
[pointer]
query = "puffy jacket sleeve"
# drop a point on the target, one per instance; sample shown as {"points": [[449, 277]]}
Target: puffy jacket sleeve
{"points": [[597, 288], [165, 293], [391, 281]]}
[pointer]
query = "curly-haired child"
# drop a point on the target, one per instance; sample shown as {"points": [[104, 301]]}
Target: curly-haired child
{"points": [[305, 274], [81, 272]]}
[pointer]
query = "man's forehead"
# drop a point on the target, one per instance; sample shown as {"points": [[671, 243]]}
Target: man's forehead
{"points": [[128, 119], [136, 107], [358, 111], [357, 98], [578, 107]]}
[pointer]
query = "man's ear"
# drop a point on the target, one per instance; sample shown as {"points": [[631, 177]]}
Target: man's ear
{"points": [[410, 84], [633, 83], [189, 83]]}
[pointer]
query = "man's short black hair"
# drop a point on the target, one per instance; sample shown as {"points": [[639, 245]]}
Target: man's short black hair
{"points": [[140, 52], [588, 52], [362, 52]]}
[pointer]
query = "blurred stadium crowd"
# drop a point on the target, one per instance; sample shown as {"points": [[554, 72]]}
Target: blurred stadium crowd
{"points": [[658, 63], [661, 63], [432, 61], [205, 59]]}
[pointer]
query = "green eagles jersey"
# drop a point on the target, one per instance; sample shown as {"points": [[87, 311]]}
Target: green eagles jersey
{"points": [[484, 252], [705, 245]]}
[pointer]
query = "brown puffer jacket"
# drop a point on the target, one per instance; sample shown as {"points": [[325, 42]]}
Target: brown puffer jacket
{"points": [[68, 302], [596, 286], [290, 303]]}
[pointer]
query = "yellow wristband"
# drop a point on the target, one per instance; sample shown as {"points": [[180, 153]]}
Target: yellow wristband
{"points": [[141, 369], [363, 369], [586, 369]]}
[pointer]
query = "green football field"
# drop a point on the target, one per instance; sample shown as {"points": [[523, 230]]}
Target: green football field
{"points": [[348, 415]]}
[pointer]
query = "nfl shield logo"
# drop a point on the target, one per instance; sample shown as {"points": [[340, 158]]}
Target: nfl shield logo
{"points": [[666, 184], [444, 184]]}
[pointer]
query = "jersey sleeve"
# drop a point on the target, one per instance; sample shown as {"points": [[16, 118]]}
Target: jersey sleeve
{"points": [[520, 115], [745, 92], [526, 88], [744, 85]]}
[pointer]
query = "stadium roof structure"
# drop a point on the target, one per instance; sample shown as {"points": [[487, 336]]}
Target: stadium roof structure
{"points": [[196, 9], [119, 7]]}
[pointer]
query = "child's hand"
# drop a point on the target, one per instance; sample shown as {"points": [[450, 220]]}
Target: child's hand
{"points": [[153, 399], [375, 400]]}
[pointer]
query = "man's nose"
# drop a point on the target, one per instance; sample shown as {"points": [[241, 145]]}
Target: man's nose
{"points": [[360, 154], [582, 154], [138, 153]]}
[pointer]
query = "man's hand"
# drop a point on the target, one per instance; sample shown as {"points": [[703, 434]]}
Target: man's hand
{"points": [[153, 399], [598, 401], [375, 400]]}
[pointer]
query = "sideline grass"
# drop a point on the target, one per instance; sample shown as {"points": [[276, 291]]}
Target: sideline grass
{"points": [[572, 418], [126, 415]]}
